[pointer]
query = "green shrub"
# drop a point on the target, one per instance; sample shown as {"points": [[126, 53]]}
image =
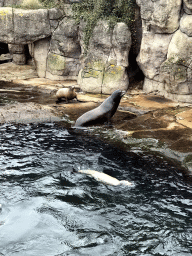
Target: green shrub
{"points": [[49, 3]]}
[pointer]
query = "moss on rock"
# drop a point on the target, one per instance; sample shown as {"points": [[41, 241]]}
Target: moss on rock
{"points": [[105, 76], [93, 69], [175, 71], [113, 73], [56, 62], [5, 13]]}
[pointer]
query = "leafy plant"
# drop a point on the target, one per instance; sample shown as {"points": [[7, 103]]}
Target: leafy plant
{"points": [[114, 11], [49, 3]]}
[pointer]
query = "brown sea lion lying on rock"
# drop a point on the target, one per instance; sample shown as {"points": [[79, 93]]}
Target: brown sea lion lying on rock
{"points": [[66, 93]]}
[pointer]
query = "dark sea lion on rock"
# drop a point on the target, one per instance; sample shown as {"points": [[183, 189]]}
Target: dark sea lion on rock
{"points": [[102, 113], [67, 93]]}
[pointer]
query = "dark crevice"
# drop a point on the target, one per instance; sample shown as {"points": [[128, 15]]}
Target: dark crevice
{"points": [[4, 53], [4, 48], [135, 74], [27, 54]]}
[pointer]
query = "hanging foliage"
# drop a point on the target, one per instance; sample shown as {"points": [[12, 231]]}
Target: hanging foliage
{"points": [[114, 11]]}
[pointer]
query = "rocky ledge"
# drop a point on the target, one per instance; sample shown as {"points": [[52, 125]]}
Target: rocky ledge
{"points": [[139, 116]]}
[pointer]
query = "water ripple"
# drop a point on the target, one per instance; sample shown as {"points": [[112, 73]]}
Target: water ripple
{"points": [[45, 215]]}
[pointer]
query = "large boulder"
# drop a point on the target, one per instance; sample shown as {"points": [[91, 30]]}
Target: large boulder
{"points": [[177, 69], [61, 68], [18, 53], [104, 66], [19, 26], [174, 79], [186, 24], [64, 39], [153, 52], [40, 52], [187, 5], [160, 16], [63, 58], [31, 25]]}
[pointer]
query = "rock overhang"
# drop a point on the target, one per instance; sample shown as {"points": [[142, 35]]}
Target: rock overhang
{"points": [[21, 26]]}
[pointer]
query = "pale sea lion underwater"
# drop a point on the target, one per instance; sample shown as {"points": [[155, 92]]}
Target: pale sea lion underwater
{"points": [[66, 93], [104, 178], [102, 113]]}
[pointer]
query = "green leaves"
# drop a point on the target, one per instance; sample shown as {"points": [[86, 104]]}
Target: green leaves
{"points": [[114, 11]]}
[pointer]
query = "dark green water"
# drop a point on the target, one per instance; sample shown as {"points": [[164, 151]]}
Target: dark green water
{"points": [[43, 215]]}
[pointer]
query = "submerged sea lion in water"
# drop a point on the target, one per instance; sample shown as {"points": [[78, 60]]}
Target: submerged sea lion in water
{"points": [[105, 178], [67, 93], [102, 113]]}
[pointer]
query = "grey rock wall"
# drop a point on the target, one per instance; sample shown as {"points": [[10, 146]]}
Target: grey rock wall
{"points": [[166, 49], [18, 26], [103, 69], [63, 58], [51, 37], [56, 44]]}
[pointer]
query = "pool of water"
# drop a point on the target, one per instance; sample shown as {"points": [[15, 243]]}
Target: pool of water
{"points": [[76, 215]]}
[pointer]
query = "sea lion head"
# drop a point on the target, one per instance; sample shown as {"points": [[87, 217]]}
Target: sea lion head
{"points": [[125, 183], [72, 92], [72, 88], [117, 95]]}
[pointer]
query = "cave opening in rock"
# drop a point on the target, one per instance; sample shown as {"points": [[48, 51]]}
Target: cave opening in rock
{"points": [[28, 54], [4, 53], [4, 48], [136, 76]]}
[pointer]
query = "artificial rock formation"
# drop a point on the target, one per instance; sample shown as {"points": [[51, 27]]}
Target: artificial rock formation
{"points": [[160, 16], [166, 48], [50, 43], [64, 52], [56, 44], [104, 66], [52, 40], [18, 53], [18, 26]]}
